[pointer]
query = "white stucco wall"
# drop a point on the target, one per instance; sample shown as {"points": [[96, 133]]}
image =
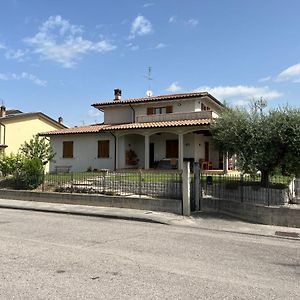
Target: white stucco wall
{"points": [[117, 115], [85, 152]]}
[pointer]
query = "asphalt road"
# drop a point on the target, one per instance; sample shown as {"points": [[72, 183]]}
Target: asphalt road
{"points": [[51, 256]]}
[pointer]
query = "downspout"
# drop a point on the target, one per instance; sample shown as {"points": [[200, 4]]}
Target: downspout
{"points": [[115, 160], [4, 132], [133, 121]]}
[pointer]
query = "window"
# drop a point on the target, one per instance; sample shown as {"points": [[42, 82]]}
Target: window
{"points": [[204, 107], [68, 149], [159, 110], [103, 149]]}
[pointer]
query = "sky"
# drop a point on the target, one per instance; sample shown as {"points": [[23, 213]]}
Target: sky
{"points": [[59, 57]]}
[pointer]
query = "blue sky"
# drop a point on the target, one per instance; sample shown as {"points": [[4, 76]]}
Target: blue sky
{"points": [[59, 57]]}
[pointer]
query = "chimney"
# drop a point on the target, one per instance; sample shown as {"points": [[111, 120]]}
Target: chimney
{"points": [[118, 94], [2, 111], [60, 120]]}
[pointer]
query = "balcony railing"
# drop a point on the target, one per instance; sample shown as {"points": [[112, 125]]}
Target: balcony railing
{"points": [[177, 116]]}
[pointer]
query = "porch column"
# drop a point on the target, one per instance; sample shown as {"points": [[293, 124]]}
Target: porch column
{"points": [[147, 164], [180, 151], [225, 163], [117, 153]]}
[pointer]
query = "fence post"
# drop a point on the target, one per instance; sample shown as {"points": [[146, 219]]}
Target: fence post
{"points": [[72, 178], [186, 193], [197, 185], [140, 182], [242, 187]]}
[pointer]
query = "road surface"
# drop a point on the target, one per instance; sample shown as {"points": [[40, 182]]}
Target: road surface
{"points": [[52, 256]]}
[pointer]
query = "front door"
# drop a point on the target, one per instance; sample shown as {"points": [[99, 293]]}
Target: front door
{"points": [[171, 148]]}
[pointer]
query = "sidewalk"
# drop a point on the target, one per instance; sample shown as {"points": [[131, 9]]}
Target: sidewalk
{"points": [[200, 220]]}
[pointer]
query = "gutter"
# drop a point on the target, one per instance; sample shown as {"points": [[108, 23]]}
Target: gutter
{"points": [[133, 121], [115, 158]]}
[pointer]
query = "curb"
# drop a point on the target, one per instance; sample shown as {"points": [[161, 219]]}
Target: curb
{"points": [[88, 214]]}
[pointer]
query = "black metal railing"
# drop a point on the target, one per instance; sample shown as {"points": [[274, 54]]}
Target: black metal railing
{"points": [[246, 188], [161, 184]]}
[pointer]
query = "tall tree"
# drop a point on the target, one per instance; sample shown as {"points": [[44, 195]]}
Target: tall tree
{"points": [[37, 147], [262, 141]]}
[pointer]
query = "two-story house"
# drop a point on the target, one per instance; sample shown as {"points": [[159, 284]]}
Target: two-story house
{"points": [[149, 132]]}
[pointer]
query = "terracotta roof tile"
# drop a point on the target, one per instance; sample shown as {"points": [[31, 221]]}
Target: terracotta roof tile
{"points": [[156, 98], [159, 124], [108, 127], [77, 130]]}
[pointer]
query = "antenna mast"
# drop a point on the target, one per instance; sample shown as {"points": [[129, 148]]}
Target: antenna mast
{"points": [[149, 92]]}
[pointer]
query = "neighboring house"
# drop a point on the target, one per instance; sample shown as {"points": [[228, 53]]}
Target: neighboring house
{"points": [[150, 132], [17, 127]]}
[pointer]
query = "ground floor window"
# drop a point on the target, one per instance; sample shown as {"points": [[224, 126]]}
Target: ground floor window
{"points": [[103, 149], [68, 149]]}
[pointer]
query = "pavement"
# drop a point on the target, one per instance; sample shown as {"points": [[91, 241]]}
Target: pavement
{"points": [[201, 220]]}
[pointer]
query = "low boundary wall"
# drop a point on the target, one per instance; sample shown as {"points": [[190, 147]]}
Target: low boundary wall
{"points": [[165, 205], [272, 215]]}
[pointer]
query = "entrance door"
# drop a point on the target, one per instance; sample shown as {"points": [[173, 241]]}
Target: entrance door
{"points": [[151, 155], [171, 148]]}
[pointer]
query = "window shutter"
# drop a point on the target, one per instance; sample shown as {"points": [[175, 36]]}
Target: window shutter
{"points": [[169, 109], [103, 149], [150, 110], [68, 149]]}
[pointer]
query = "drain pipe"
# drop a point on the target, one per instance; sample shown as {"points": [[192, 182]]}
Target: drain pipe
{"points": [[133, 121], [4, 132], [115, 160]]}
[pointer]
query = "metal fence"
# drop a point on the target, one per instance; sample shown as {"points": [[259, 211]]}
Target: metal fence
{"points": [[246, 188], [160, 184]]}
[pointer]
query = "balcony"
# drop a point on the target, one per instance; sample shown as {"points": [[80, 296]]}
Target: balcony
{"points": [[176, 116]]}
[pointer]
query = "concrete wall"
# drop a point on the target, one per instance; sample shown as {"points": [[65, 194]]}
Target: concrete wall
{"points": [[166, 205], [85, 152], [279, 215]]}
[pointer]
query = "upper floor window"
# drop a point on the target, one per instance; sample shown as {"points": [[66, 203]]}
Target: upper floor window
{"points": [[204, 107], [103, 149], [159, 110], [68, 149]]}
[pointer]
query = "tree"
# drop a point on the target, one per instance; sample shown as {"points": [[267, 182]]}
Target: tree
{"points": [[37, 148], [262, 141]]}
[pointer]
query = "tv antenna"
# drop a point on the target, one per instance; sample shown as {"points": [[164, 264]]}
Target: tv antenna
{"points": [[148, 76]]}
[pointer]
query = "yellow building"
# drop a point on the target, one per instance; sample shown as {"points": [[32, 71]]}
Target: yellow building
{"points": [[17, 127]]}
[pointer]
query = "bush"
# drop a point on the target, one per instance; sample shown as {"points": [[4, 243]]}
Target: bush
{"points": [[29, 174], [8, 164]]}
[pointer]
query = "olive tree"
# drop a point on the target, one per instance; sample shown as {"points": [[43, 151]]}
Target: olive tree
{"points": [[261, 141]]}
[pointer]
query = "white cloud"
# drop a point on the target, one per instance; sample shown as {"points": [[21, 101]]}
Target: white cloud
{"points": [[292, 73], [174, 87], [192, 22], [2, 46], [93, 113], [264, 79], [172, 19], [140, 26], [148, 4], [24, 76], [62, 42], [240, 93], [160, 46], [15, 54], [133, 47]]}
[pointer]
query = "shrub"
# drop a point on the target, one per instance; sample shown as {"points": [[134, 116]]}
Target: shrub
{"points": [[29, 174], [9, 164]]}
